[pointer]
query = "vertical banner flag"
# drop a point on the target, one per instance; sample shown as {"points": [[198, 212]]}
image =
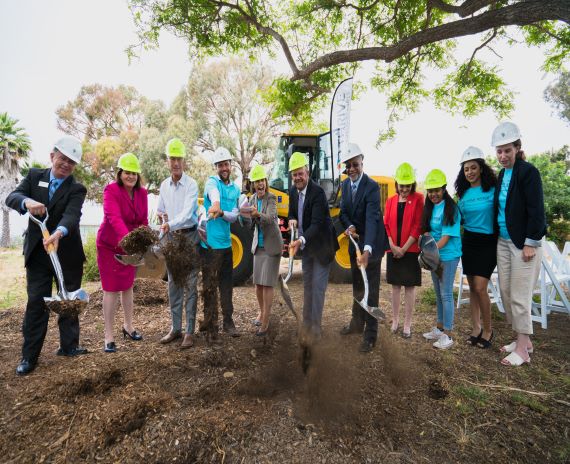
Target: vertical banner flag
{"points": [[340, 120]]}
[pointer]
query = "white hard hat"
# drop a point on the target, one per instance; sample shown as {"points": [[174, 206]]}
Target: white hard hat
{"points": [[70, 147], [353, 150], [221, 154], [506, 132], [472, 153]]}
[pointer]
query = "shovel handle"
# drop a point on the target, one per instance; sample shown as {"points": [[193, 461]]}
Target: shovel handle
{"points": [[46, 235]]}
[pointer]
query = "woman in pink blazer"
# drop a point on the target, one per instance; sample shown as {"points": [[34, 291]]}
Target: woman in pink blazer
{"points": [[125, 207]]}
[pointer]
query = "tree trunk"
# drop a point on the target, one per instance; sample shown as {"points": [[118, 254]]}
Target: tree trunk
{"points": [[5, 240]]}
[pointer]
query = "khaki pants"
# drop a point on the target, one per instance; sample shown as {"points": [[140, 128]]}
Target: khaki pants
{"points": [[516, 282]]}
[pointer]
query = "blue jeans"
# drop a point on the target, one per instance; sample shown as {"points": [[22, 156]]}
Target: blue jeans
{"points": [[444, 293]]}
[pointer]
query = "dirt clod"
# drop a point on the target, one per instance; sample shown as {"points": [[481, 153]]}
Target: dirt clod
{"points": [[137, 241], [181, 256]]}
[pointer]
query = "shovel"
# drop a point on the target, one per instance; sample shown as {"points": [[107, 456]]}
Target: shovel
{"points": [[373, 311], [57, 304], [150, 264], [283, 280]]}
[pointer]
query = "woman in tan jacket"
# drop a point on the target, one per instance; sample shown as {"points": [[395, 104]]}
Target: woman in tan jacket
{"points": [[266, 247]]}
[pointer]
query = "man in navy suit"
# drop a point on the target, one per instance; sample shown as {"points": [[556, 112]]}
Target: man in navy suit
{"points": [[360, 214], [53, 190], [309, 213]]}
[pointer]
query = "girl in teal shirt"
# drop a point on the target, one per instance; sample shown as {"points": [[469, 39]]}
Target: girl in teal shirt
{"points": [[441, 219]]}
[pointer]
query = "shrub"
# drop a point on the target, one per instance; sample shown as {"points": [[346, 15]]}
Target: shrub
{"points": [[90, 269]]}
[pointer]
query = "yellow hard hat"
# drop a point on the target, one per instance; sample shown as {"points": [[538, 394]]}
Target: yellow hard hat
{"points": [[435, 179], [257, 173], [175, 149], [405, 174], [129, 162], [297, 160]]}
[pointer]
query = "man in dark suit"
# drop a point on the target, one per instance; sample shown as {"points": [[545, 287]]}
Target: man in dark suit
{"points": [[56, 191], [309, 213], [361, 214]]}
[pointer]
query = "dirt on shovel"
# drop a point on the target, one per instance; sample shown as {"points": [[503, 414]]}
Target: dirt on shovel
{"points": [[181, 255], [138, 241]]}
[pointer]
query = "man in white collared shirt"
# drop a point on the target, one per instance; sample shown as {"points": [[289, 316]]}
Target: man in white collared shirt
{"points": [[178, 210]]}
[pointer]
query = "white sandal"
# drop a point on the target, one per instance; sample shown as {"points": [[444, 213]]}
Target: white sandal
{"points": [[514, 359], [512, 347]]}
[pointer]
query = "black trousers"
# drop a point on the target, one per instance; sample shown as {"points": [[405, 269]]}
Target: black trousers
{"points": [[217, 274], [362, 321], [40, 276]]}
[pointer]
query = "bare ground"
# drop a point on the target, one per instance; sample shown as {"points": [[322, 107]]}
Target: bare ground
{"points": [[246, 401]]}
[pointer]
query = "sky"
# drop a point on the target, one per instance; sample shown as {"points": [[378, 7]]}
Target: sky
{"points": [[49, 49]]}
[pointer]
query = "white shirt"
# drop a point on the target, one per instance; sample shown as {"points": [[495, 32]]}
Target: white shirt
{"points": [[179, 200]]}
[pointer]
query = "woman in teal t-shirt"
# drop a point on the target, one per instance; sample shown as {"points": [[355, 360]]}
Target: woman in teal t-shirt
{"points": [[475, 187], [441, 219]]}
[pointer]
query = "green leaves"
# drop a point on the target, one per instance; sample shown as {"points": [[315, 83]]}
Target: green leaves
{"points": [[473, 88]]}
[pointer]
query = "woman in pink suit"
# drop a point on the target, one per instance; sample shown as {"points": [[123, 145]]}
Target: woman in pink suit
{"points": [[125, 207]]}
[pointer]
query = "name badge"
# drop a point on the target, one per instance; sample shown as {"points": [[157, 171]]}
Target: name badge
{"points": [[41, 183]]}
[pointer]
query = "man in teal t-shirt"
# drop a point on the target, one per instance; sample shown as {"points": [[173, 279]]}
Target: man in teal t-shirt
{"points": [[221, 197]]}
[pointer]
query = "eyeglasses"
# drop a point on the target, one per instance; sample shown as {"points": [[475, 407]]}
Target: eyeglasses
{"points": [[354, 164]]}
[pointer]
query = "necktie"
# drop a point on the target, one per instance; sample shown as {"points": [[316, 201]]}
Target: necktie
{"points": [[354, 186], [300, 212], [53, 185]]}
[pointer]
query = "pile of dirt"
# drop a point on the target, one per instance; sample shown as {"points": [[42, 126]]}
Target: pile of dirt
{"points": [[248, 400], [138, 241], [181, 256], [66, 307]]}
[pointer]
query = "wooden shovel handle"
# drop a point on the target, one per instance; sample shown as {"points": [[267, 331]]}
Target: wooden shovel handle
{"points": [[46, 235]]}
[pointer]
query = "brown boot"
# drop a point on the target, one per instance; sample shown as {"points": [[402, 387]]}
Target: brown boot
{"points": [[170, 337], [188, 342]]}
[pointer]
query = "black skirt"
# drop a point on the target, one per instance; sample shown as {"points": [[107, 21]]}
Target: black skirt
{"points": [[404, 271], [479, 254]]}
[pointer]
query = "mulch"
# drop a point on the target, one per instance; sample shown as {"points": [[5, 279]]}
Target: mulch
{"points": [[249, 401]]}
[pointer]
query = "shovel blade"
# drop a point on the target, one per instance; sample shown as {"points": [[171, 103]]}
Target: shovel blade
{"points": [[372, 310], [130, 260], [287, 297]]}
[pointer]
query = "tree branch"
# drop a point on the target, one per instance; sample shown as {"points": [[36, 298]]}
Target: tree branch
{"points": [[520, 14], [467, 8], [483, 45]]}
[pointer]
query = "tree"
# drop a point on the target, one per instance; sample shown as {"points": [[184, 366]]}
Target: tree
{"points": [[15, 146], [325, 41], [227, 109], [558, 95], [100, 111]]}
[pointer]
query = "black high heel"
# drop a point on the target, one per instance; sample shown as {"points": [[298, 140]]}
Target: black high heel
{"points": [[110, 347], [133, 336], [484, 344]]}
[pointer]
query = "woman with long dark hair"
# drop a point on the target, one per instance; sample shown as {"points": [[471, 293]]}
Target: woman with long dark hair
{"points": [[441, 219], [402, 219], [125, 207], [475, 187], [521, 224]]}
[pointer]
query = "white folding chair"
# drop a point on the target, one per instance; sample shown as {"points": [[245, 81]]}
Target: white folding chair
{"points": [[492, 289], [553, 276]]}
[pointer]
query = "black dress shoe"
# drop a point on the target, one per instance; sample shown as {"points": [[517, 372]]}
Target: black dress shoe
{"points": [[134, 335], [366, 346], [73, 352], [231, 331], [349, 329], [110, 347], [26, 366]]}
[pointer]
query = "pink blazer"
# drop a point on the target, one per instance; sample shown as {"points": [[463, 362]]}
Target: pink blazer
{"points": [[121, 214], [411, 223]]}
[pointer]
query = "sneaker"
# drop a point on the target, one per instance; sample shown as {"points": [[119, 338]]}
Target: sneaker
{"points": [[434, 334], [444, 342]]}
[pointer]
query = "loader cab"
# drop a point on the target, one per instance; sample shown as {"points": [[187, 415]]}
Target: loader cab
{"points": [[321, 166]]}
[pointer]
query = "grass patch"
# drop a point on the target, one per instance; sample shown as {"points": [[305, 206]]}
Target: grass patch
{"points": [[564, 452], [12, 278], [530, 402], [472, 393]]}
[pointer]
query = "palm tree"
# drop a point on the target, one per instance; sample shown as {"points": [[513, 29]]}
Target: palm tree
{"points": [[14, 146]]}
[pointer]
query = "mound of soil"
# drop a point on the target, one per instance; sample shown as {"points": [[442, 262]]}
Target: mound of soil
{"points": [[247, 400]]}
